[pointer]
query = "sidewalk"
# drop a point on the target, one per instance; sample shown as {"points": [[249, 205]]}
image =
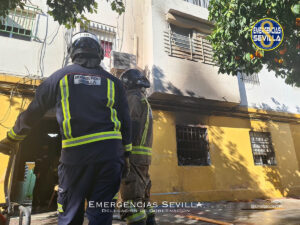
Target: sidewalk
{"points": [[284, 211]]}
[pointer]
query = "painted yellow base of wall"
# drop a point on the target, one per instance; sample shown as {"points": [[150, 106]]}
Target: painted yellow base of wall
{"points": [[232, 174], [9, 110]]}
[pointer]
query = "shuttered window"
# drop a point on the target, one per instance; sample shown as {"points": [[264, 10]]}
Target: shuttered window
{"points": [[188, 44]]}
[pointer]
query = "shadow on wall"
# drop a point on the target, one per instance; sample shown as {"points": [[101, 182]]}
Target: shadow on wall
{"points": [[236, 171], [279, 107], [161, 83]]}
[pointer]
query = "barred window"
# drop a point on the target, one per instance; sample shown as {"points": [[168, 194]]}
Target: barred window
{"points": [[251, 79], [262, 148], [192, 146], [201, 3], [105, 33], [188, 44], [19, 23]]}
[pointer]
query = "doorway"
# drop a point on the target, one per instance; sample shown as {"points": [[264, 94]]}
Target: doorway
{"points": [[35, 175]]}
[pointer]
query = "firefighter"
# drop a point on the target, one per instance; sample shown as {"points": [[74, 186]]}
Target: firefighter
{"points": [[135, 188], [93, 114]]}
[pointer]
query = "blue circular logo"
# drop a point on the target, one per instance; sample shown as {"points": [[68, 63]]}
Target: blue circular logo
{"points": [[267, 34]]}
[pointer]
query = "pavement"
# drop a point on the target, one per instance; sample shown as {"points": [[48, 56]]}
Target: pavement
{"points": [[285, 211]]}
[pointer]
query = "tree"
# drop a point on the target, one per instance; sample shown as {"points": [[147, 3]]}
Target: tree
{"points": [[231, 38], [67, 12]]}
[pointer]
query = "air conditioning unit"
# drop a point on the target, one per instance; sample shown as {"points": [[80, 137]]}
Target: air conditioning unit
{"points": [[122, 61]]}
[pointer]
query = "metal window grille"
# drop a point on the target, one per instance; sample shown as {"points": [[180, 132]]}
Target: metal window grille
{"points": [[19, 22], [262, 148], [251, 79], [105, 33], [188, 44], [201, 3], [192, 146]]}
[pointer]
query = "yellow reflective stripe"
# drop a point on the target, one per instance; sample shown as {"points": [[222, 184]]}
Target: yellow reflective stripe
{"points": [[145, 132], [136, 217], [91, 138], [11, 133], [110, 104], [141, 150], [64, 89], [150, 211], [60, 207], [128, 148], [116, 196]]}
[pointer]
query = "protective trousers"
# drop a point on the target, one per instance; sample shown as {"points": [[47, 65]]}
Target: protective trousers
{"points": [[97, 183], [135, 192]]}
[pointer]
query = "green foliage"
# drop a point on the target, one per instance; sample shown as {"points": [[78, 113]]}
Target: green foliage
{"points": [[67, 12], [231, 38]]}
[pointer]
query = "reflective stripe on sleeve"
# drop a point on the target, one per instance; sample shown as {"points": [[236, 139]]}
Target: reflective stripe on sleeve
{"points": [[136, 217], [110, 104], [141, 150], [116, 196], [91, 138], [128, 148], [145, 132], [64, 89], [60, 208], [15, 136]]}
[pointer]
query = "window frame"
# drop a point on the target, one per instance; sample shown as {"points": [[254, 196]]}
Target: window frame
{"points": [[269, 154], [180, 150], [200, 49], [20, 19]]}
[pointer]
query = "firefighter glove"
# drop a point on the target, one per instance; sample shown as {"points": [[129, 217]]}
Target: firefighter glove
{"points": [[7, 146]]}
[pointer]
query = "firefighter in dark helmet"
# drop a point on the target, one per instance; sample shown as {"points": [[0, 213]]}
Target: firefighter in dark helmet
{"points": [[135, 188], [92, 111]]}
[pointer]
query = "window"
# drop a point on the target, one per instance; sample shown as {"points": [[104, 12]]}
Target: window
{"points": [[201, 3], [106, 35], [19, 23], [192, 146], [188, 44], [251, 79], [262, 148], [107, 47]]}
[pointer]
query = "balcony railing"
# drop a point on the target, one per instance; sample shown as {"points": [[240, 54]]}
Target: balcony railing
{"points": [[201, 3], [19, 21]]}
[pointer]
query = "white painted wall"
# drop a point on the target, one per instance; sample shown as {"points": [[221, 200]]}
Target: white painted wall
{"points": [[21, 57], [182, 77], [271, 94]]}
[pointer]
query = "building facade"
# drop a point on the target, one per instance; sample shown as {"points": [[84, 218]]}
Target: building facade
{"points": [[216, 137]]}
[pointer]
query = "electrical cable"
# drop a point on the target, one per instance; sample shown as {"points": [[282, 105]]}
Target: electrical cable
{"points": [[43, 48]]}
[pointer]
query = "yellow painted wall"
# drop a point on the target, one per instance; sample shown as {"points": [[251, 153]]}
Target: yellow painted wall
{"points": [[232, 174], [296, 138], [9, 110]]}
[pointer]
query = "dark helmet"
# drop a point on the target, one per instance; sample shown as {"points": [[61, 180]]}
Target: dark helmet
{"points": [[87, 44], [134, 78]]}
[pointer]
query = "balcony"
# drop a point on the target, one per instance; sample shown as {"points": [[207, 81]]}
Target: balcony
{"points": [[201, 3]]}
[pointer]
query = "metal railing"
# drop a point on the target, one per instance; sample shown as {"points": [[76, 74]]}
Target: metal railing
{"points": [[19, 21], [201, 3], [193, 47]]}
